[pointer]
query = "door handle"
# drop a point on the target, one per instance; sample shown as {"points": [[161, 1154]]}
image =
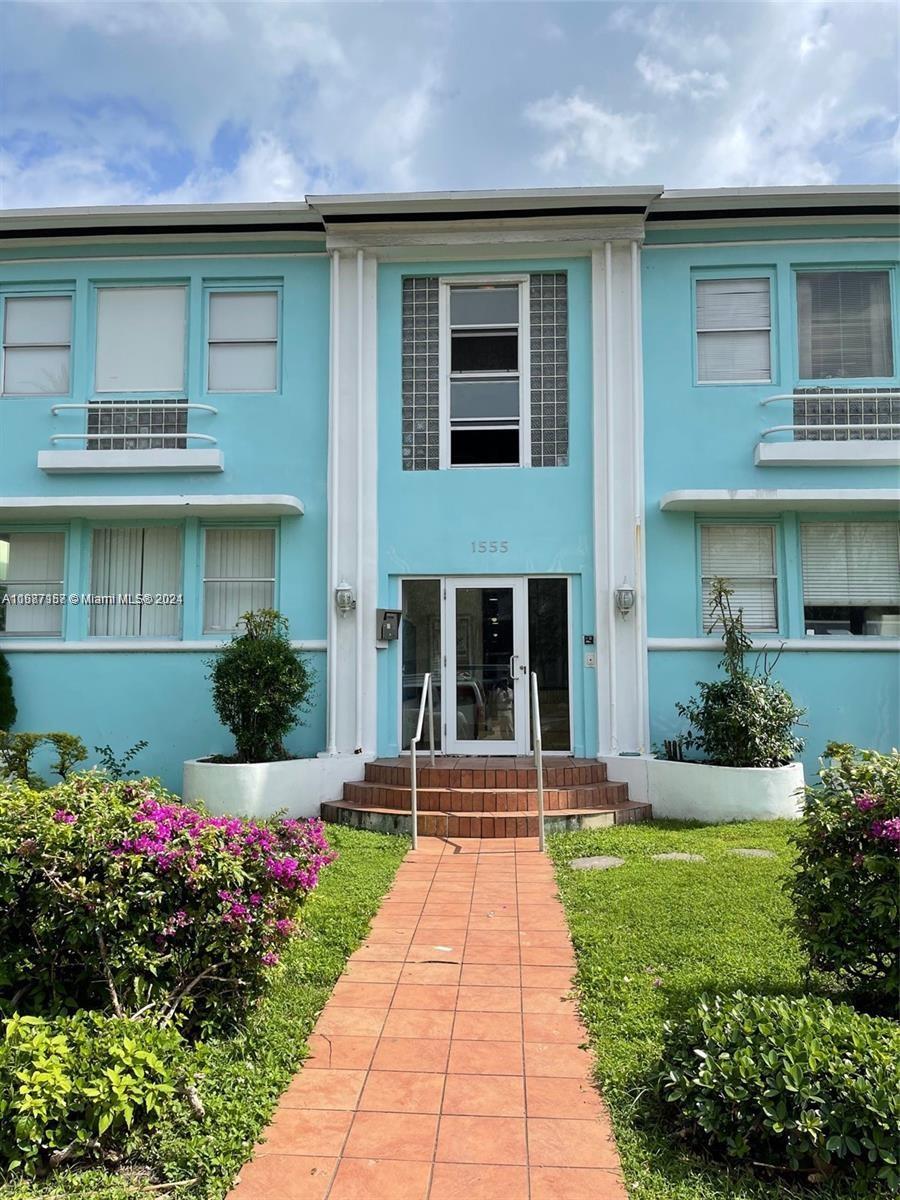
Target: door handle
{"points": [[513, 659]]}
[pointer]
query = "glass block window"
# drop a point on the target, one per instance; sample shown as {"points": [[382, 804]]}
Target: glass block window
{"points": [[420, 374], [131, 425], [869, 414], [549, 320]]}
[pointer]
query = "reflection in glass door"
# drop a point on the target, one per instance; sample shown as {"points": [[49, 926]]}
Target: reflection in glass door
{"points": [[486, 712], [422, 652]]}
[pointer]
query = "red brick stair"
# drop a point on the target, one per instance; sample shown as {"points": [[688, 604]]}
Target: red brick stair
{"points": [[485, 797]]}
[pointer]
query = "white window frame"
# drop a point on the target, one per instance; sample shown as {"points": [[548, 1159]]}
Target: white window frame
{"points": [[35, 295], [751, 576], [206, 578], [698, 332], [446, 282], [39, 583], [225, 289]]}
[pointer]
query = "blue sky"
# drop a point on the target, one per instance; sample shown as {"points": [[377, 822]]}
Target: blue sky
{"points": [[186, 102]]}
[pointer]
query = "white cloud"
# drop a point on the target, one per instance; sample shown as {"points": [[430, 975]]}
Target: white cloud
{"points": [[816, 39], [266, 171], [668, 27], [586, 136], [664, 80]]}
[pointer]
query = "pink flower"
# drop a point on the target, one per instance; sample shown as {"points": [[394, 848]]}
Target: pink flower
{"points": [[269, 959], [866, 801], [64, 817]]}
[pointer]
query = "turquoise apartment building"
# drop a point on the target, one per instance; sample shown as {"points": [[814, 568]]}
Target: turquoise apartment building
{"points": [[535, 423]]}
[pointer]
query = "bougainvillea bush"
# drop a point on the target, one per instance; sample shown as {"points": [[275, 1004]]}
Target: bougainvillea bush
{"points": [[115, 896], [846, 890]]}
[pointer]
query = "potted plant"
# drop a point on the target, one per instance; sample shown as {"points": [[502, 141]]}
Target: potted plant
{"points": [[743, 727], [261, 685]]}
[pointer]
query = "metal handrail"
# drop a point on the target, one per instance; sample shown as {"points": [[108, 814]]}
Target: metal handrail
{"points": [[860, 394], [129, 435], [125, 405], [538, 746], [848, 427], [427, 696]]}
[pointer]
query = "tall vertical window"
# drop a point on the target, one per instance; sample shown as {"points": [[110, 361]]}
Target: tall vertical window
{"points": [[141, 339], [243, 342], [844, 324], [37, 345], [238, 576], [31, 571], [743, 555], [851, 577], [128, 563], [485, 374], [734, 330]]}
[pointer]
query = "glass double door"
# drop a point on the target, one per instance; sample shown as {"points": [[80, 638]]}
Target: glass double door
{"points": [[480, 637]]}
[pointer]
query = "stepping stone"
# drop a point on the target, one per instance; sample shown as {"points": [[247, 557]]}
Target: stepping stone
{"points": [[677, 856], [746, 853], [601, 862]]}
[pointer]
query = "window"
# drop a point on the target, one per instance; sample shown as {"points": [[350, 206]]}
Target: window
{"points": [[129, 565], [31, 571], [243, 342], [239, 576], [851, 577], [485, 380], [744, 555], [37, 345], [141, 339], [734, 327], [844, 324]]}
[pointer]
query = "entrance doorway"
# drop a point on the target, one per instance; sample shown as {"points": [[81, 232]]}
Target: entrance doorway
{"points": [[480, 637]]}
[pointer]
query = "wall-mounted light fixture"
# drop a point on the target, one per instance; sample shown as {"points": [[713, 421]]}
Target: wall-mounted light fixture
{"points": [[624, 600], [344, 599]]}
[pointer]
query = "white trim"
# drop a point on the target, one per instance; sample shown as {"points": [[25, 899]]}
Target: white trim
{"points": [[844, 241], [640, 608], [139, 645], [360, 608], [829, 454], [332, 485], [122, 462], [609, 409], [777, 499], [54, 507], [807, 645], [113, 258]]}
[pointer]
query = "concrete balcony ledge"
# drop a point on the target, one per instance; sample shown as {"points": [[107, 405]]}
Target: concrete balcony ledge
{"points": [[828, 454], [129, 462]]}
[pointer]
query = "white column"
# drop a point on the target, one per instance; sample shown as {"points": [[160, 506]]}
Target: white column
{"points": [[352, 506], [621, 644]]}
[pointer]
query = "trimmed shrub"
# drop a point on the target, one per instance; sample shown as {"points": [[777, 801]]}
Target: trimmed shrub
{"points": [[746, 719], [115, 896], [799, 1084], [260, 685], [8, 710], [17, 749], [71, 1087], [846, 889]]}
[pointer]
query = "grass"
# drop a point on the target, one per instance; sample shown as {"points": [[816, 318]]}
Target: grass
{"points": [[651, 937], [241, 1077]]}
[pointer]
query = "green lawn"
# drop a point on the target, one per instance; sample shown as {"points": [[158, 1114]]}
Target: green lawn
{"points": [[650, 938], [242, 1077]]}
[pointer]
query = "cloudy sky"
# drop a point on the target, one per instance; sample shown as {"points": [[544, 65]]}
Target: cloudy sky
{"points": [[182, 102]]}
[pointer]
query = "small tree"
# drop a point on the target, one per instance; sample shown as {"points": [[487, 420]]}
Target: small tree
{"points": [[7, 700], [746, 719], [260, 685]]}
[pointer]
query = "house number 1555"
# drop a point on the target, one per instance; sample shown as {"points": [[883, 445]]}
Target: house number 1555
{"points": [[490, 547]]}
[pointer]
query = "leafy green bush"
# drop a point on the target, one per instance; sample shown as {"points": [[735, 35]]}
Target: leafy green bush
{"points": [[260, 686], [69, 1087], [8, 710], [845, 890], [790, 1083], [746, 719], [17, 750], [114, 895]]}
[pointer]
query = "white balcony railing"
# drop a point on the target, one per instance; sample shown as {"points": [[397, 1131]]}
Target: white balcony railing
{"points": [[830, 427]]}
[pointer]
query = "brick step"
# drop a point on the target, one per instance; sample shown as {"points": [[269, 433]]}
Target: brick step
{"points": [[499, 773], [484, 824], [487, 800]]}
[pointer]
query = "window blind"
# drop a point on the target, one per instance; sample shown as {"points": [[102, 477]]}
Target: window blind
{"points": [[239, 576], [131, 562], [37, 334], [243, 341], [31, 564], [140, 339], [744, 555], [733, 330], [844, 324], [855, 563]]}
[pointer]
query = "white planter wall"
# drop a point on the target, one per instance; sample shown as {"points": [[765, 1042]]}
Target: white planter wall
{"points": [[698, 792], [296, 787]]}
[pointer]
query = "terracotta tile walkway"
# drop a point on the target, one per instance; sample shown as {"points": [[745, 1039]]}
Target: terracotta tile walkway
{"points": [[448, 1062]]}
